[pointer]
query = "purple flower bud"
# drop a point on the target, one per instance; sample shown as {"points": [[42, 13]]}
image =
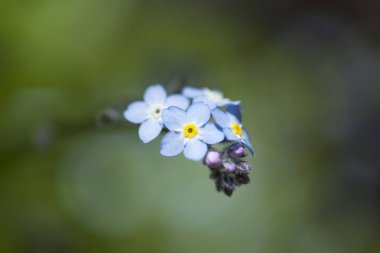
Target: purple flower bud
{"points": [[245, 166], [213, 159], [236, 151], [229, 166]]}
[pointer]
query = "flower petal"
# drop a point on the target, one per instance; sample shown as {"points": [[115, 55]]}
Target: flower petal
{"points": [[230, 135], [191, 92], [198, 114], [226, 101], [195, 149], [221, 118], [174, 118], [210, 134], [234, 110], [223, 102], [155, 94], [177, 100], [247, 142], [172, 144], [136, 112], [205, 100], [233, 119], [149, 130]]}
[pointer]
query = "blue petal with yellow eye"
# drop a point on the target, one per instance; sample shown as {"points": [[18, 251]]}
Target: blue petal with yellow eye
{"points": [[226, 120]]}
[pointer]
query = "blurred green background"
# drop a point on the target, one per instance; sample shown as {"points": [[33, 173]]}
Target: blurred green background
{"points": [[307, 73]]}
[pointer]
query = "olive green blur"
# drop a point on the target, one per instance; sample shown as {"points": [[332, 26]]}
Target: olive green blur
{"points": [[74, 176]]}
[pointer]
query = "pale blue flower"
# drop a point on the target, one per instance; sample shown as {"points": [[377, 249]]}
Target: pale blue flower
{"points": [[212, 98], [189, 131], [148, 112], [230, 121]]}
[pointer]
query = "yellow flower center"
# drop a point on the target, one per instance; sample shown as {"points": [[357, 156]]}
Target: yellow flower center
{"points": [[190, 130], [236, 128]]}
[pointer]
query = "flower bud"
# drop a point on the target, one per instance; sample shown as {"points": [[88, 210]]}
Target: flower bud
{"points": [[228, 190], [243, 178], [229, 166], [245, 166], [236, 151], [213, 159]]}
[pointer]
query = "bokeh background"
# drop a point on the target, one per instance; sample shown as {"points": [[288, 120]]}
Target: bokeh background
{"points": [[76, 179]]}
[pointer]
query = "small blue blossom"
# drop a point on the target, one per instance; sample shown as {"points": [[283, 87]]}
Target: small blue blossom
{"points": [[230, 121], [189, 131], [148, 113], [212, 98]]}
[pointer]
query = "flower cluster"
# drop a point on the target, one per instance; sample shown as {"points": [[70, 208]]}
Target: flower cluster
{"points": [[228, 167], [190, 130]]}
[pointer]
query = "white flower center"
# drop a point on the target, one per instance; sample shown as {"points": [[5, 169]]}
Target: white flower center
{"points": [[156, 111], [213, 95]]}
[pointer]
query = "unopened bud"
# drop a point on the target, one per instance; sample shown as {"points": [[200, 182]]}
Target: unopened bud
{"points": [[243, 178], [229, 166], [213, 159], [245, 166], [236, 151]]}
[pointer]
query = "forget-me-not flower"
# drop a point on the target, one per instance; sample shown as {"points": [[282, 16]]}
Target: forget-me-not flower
{"points": [[189, 131], [148, 113], [230, 121], [212, 98]]}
